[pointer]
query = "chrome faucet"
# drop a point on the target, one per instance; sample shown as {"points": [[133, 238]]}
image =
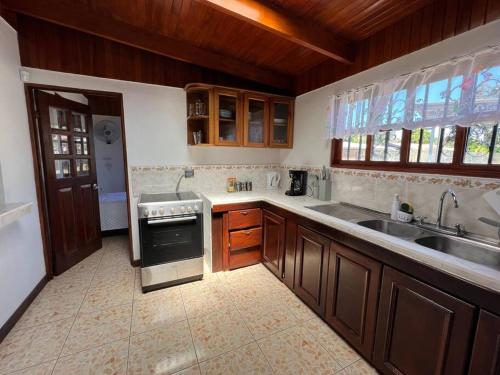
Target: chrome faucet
{"points": [[441, 201]]}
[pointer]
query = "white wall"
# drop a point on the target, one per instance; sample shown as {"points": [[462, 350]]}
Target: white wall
{"points": [[21, 253], [155, 128], [109, 158], [310, 144]]}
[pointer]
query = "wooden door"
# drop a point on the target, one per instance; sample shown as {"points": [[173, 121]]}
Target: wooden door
{"points": [[70, 178], [281, 123], [255, 120], [486, 352], [420, 330], [311, 268], [352, 296], [273, 242], [228, 121]]}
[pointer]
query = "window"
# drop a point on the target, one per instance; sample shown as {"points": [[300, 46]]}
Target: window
{"points": [[443, 119], [449, 150]]}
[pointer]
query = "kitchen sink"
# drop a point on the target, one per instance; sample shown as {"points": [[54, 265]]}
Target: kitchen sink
{"points": [[392, 228], [476, 253], [344, 211]]}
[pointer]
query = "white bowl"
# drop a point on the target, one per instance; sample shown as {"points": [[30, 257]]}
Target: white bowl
{"points": [[405, 217]]}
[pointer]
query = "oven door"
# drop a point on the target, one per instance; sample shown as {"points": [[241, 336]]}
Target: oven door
{"points": [[165, 240]]}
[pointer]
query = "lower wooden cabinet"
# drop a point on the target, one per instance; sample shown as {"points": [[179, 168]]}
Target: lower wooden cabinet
{"points": [[273, 242], [486, 352], [311, 268], [420, 330], [352, 296]]}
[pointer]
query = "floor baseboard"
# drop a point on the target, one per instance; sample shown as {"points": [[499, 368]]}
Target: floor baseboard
{"points": [[11, 322]]}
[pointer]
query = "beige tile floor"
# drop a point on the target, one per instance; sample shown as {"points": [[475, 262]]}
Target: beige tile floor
{"points": [[94, 319]]}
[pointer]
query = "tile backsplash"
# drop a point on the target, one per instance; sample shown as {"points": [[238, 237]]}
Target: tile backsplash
{"points": [[372, 189], [206, 177]]}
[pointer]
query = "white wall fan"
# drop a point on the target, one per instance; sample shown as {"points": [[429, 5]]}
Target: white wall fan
{"points": [[107, 131]]}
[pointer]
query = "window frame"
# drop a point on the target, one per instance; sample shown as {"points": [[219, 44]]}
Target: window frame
{"points": [[456, 167]]}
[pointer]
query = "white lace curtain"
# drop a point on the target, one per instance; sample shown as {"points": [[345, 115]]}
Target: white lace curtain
{"points": [[460, 92]]}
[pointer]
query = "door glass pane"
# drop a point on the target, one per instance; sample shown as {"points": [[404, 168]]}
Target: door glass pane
{"points": [[255, 121], [81, 145], [479, 140], [82, 167], [280, 123], [79, 124], [58, 119], [63, 168], [60, 144], [227, 118]]}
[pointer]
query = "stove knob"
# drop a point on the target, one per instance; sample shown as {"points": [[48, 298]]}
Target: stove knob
{"points": [[196, 208], [189, 209], [161, 211], [172, 210], [153, 212], [146, 212], [183, 209]]}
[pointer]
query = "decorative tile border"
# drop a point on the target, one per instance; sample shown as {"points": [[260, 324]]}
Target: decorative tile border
{"points": [[204, 167], [417, 178]]}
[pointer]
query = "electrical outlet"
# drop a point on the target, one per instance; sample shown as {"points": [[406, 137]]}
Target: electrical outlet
{"points": [[188, 172]]}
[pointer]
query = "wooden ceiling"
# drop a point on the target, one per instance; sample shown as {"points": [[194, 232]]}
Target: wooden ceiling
{"points": [[270, 42]]}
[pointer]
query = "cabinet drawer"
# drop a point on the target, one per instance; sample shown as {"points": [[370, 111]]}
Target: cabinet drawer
{"points": [[243, 239], [245, 218]]}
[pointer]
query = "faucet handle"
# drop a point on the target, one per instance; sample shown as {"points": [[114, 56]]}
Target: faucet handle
{"points": [[420, 219], [460, 230]]}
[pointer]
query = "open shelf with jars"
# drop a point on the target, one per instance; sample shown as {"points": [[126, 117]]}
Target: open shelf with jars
{"points": [[223, 116]]}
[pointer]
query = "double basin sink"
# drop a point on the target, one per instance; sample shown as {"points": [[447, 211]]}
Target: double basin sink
{"points": [[465, 248]]}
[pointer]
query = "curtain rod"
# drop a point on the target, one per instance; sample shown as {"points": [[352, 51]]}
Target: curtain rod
{"points": [[423, 69]]}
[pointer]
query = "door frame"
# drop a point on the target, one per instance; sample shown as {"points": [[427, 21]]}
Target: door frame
{"points": [[38, 168]]}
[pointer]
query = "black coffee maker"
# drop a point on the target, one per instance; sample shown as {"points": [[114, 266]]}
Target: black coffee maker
{"points": [[299, 183]]}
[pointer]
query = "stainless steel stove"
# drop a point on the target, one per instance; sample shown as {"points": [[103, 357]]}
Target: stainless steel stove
{"points": [[171, 236]]}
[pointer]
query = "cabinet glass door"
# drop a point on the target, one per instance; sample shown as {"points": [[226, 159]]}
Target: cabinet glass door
{"points": [[227, 126], [256, 121], [280, 123]]}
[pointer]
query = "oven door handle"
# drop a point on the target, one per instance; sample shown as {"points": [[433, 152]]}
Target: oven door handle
{"points": [[171, 220]]}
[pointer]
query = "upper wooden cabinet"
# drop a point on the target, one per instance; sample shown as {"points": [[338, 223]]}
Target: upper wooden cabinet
{"points": [[255, 120], [223, 116], [281, 123]]}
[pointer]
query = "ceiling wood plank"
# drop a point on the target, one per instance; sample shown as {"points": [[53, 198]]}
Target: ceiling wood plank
{"points": [[295, 30], [80, 18]]}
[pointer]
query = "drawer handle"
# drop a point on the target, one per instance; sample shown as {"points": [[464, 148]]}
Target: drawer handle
{"points": [[247, 232], [244, 212]]}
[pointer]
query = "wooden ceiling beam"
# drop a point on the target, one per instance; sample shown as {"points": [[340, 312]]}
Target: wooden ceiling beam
{"points": [[76, 16], [305, 34]]}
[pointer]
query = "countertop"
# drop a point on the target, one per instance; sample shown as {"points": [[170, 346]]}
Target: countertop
{"points": [[460, 268], [11, 212]]}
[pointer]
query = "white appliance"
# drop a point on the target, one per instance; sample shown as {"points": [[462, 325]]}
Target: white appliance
{"points": [[273, 179]]}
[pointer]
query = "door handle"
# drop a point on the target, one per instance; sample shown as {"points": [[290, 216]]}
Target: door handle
{"points": [[95, 186]]}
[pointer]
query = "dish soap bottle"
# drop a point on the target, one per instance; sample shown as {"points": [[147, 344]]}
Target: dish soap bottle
{"points": [[396, 204]]}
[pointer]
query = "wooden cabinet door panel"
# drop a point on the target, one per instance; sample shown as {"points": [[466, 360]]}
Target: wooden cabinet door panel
{"points": [[90, 218], [486, 353], [273, 245], [289, 257], [311, 267], [420, 330], [352, 296]]}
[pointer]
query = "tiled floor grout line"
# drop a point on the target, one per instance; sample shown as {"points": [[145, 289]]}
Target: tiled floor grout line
{"points": [[77, 312], [190, 331]]}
